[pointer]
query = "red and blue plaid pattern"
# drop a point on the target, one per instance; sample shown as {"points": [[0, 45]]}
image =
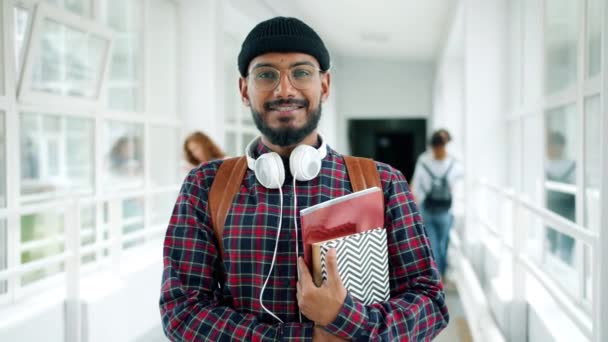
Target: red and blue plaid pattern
{"points": [[195, 308]]}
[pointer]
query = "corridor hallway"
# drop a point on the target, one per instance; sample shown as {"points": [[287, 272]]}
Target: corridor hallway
{"points": [[97, 98]]}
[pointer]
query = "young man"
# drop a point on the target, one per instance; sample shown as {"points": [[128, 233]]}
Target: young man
{"points": [[432, 183], [284, 67]]}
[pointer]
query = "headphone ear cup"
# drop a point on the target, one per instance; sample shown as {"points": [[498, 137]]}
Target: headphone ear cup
{"points": [[269, 170], [305, 162]]}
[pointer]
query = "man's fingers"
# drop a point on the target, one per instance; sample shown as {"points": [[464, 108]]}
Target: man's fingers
{"points": [[331, 264], [304, 273]]}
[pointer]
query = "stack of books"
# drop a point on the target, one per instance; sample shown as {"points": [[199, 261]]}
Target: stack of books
{"points": [[354, 225]]}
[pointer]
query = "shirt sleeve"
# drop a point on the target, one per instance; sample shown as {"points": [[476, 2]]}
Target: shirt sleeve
{"points": [[416, 310], [191, 303]]}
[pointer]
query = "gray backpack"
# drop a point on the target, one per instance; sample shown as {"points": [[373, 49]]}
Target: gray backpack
{"points": [[439, 197]]}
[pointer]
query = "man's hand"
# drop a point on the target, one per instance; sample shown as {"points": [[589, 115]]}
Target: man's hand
{"points": [[321, 304], [320, 335]]}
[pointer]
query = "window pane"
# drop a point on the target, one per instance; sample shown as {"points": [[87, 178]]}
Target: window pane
{"points": [[124, 80], [133, 219], [123, 155], [165, 157], [3, 254], [88, 231], [594, 37], [21, 17], [2, 51], [70, 61], [2, 161], [46, 230], [560, 167], [56, 154], [593, 174], [561, 146], [560, 44], [76, 6]]}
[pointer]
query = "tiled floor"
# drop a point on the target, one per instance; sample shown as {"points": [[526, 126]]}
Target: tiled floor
{"points": [[458, 329]]}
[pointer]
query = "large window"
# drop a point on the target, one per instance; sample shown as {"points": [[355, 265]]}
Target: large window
{"points": [[561, 35], [56, 154], [66, 58], [125, 88], [123, 155], [111, 152]]}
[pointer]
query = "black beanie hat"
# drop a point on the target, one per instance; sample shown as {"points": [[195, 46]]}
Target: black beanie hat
{"points": [[281, 34]]}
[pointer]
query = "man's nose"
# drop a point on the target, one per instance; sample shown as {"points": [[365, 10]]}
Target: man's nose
{"points": [[284, 88]]}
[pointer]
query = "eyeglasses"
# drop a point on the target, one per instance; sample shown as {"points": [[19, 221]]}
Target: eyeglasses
{"points": [[268, 78]]}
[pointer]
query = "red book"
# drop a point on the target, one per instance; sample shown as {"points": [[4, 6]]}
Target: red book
{"points": [[349, 214]]}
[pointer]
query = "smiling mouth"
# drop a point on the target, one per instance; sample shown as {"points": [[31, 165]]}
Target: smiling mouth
{"points": [[286, 109]]}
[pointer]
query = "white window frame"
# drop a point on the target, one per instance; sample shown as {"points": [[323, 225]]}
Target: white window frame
{"points": [[40, 13]]}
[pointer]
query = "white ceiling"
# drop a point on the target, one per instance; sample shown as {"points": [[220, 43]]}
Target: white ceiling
{"points": [[392, 29]]}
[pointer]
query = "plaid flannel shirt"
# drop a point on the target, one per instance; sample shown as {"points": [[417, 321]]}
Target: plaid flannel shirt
{"points": [[195, 308]]}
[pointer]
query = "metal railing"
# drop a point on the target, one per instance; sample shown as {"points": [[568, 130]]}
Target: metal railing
{"points": [[516, 206], [71, 240]]}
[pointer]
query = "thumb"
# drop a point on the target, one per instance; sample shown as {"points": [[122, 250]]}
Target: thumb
{"points": [[331, 264]]}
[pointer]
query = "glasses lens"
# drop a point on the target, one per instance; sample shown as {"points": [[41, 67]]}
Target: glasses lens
{"points": [[302, 76], [266, 78]]}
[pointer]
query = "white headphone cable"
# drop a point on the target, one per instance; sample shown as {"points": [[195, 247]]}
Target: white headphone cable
{"points": [[295, 223], [273, 259]]}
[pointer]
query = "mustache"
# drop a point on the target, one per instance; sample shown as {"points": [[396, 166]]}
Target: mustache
{"points": [[273, 104]]}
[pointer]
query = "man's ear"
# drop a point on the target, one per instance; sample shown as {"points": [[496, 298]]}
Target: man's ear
{"points": [[244, 91], [325, 83]]}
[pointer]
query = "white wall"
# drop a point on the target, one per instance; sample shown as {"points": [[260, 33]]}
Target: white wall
{"points": [[367, 88]]}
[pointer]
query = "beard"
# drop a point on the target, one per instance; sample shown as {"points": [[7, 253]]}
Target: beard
{"points": [[287, 136]]}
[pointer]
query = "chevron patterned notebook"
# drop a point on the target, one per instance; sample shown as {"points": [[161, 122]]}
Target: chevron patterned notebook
{"points": [[362, 264]]}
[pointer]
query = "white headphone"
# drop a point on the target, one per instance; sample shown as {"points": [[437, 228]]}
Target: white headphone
{"points": [[304, 164]]}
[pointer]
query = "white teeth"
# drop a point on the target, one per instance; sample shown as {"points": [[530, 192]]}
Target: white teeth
{"points": [[284, 109]]}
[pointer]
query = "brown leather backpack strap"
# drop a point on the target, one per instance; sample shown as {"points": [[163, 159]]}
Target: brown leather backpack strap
{"points": [[362, 172], [226, 184]]}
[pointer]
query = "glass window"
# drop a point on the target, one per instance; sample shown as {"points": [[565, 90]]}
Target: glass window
{"points": [[2, 51], [77, 6], [560, 167], [125, 91], [3, 254], [561, 35], [56, 154], [165, 156], [133, 219], [2, 161], [593, 174], [561, 145], [124, 155], [70, 61], [21, 17], [594, 37], [41, 237], [88, 231]]}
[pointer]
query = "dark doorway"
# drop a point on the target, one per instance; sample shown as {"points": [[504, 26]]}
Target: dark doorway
{"points": [[397, 142]]}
